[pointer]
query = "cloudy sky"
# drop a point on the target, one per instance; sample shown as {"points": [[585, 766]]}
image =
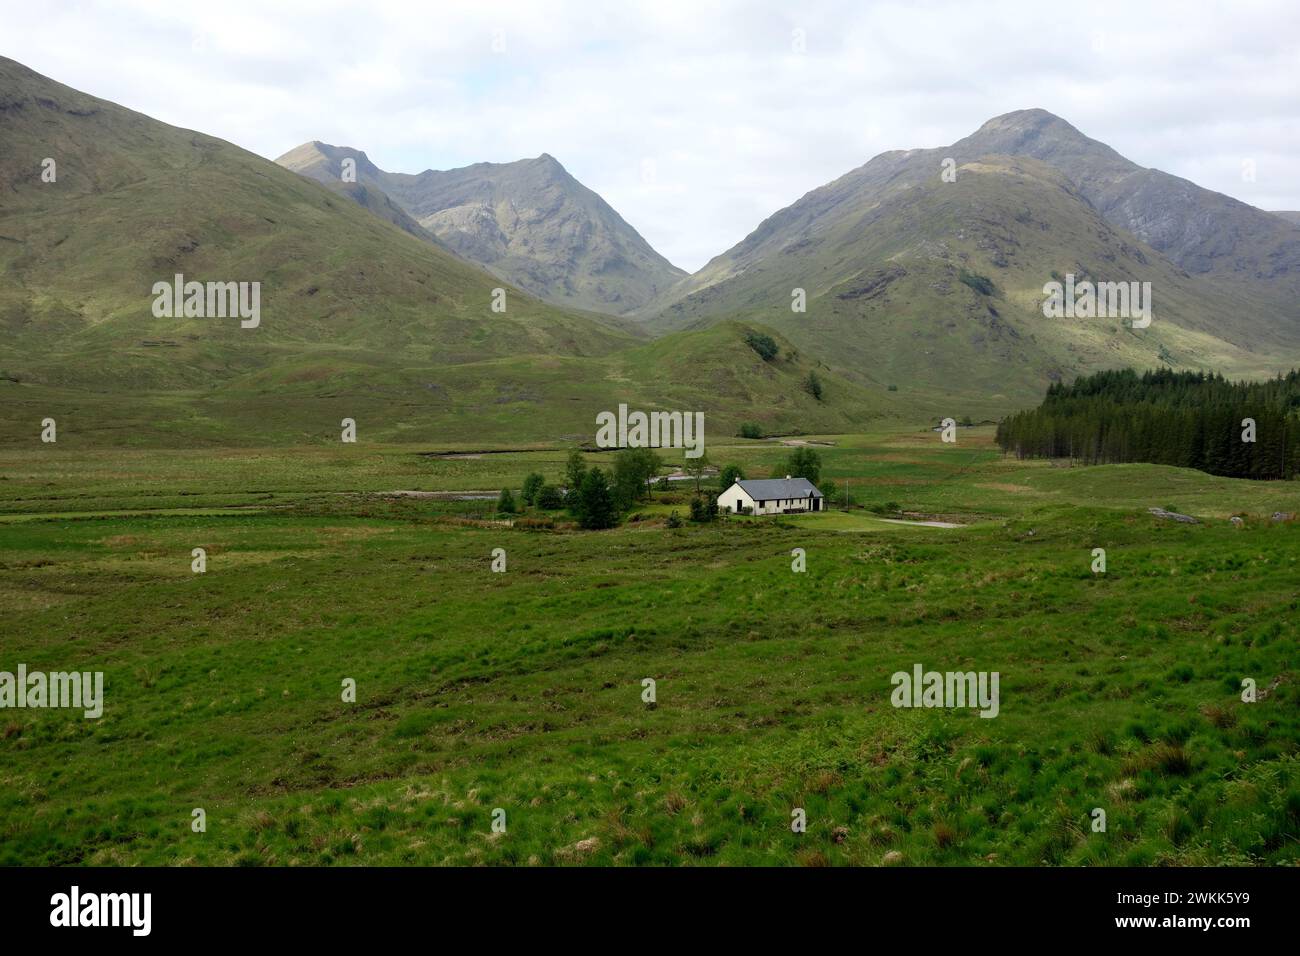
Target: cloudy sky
{"points": [[695, 120]]}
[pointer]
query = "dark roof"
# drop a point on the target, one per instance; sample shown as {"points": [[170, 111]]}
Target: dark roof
{"points": [[766, 489]]}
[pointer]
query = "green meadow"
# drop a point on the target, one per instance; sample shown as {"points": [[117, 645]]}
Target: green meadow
{"points": [[522, 691]]}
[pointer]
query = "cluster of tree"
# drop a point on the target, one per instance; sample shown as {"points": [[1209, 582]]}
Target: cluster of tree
{"points": [[804, 462], [704, 509], [704, 505], [538, 494], [634, 474], [1188, 419], [593, 496], [596, 498]]}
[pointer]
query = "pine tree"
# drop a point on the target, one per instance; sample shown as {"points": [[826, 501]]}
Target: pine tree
{"points": [[595, 506]]}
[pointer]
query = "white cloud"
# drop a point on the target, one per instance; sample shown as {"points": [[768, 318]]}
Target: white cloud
{"points": [[734, 121]]}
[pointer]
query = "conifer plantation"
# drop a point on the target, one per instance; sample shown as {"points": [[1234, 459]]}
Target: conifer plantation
{"points": [[1186, 419]]}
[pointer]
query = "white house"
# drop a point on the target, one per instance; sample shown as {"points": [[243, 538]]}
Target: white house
{"points": [[771, 496]]}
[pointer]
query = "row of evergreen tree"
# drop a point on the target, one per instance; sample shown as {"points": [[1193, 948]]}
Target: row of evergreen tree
{"points": [[1188, 419]]}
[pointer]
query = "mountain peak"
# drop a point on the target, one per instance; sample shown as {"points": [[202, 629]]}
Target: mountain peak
{"points": [[1028, 124], [528, 220], [322, 160], [1041, 135], [1033, 116], [548, 166]]}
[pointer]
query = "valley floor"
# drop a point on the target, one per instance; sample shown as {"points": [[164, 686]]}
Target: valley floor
{"points": [[523, 691]]}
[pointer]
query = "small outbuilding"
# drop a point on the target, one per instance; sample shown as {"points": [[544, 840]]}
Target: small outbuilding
{"points": [[771, 496]]}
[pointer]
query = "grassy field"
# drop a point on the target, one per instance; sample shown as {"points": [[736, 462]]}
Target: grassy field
{"points": [[522, 690]]}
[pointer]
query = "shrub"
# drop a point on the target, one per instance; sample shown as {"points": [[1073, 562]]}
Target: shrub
{"points": [[813, 386], [981, 284], [764, 345], [506, 503], [549, 498], [750, 430], [704, 509], [674, 521]]}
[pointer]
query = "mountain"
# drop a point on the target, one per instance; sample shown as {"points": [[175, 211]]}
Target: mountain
{"points": [[358, 317], [1290, 216], [937, 286], [1200, 230], [382, 206], [529, 222], [135, 201]]}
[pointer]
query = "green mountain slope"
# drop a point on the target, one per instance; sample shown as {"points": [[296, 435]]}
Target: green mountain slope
{"points": [[360, 318], [530, 400], [529, 222], [881, 252], [136, 201]]}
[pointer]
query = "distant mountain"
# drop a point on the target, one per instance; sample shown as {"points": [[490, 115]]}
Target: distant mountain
{"points": [[529, 222], [914, 281], [1291, 217]]}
